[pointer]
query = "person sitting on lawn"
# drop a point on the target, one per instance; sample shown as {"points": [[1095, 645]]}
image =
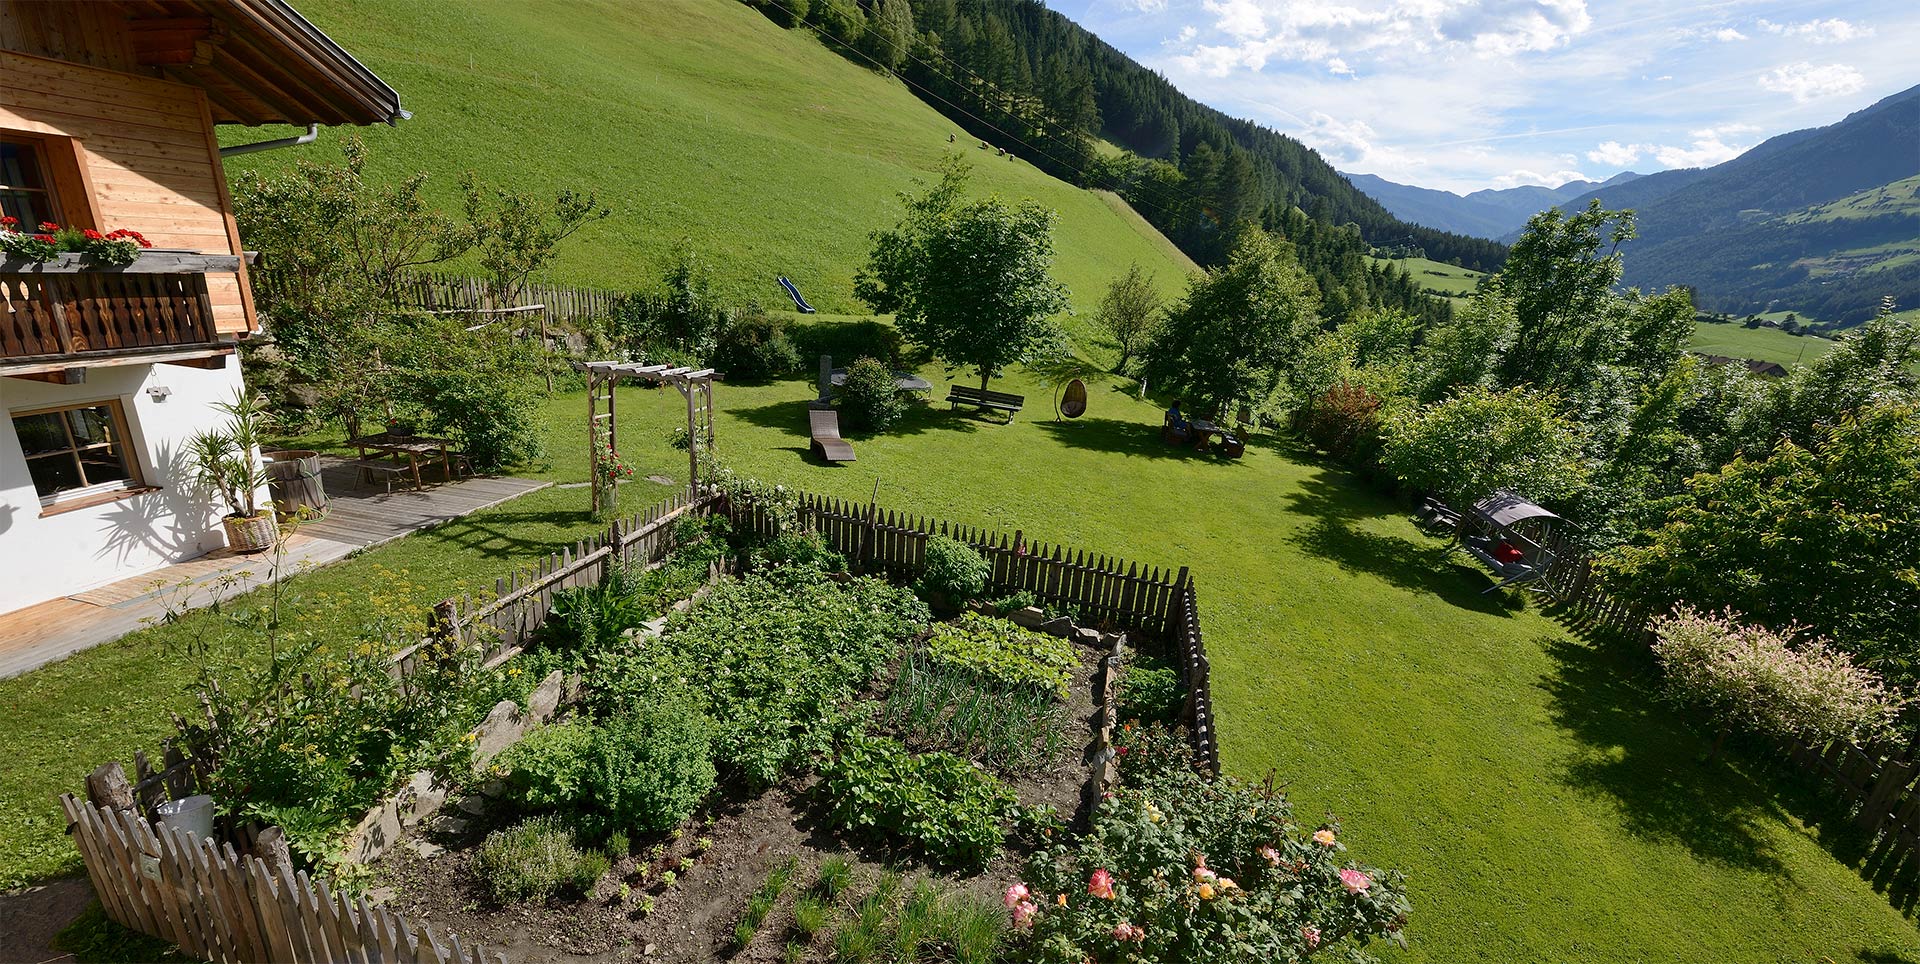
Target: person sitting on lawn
{"points": [[1507, 553]]}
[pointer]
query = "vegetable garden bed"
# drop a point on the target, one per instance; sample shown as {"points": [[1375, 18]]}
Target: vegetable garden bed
{"points": [[966, 746]]}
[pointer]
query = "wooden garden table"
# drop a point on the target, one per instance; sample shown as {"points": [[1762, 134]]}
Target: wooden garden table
{"points": [[411, 446]]}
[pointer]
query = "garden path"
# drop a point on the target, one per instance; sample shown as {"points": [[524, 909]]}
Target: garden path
{"points": [[358, 516]]}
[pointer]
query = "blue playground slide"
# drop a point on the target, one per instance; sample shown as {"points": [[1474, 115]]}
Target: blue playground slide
{"points": [[794, 293]]}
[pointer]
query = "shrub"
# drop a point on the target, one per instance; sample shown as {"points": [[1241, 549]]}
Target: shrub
{"points": [[870, 398], [1013, 601], [954, 570], [937, 803], [1178, 868], [1344, 421], [1479, 441], [754, 346], [999, 650], [535, 860], [1748, 677], [1150, 691], [846, 339], [800, 549], [652, 767], [483, 388]]}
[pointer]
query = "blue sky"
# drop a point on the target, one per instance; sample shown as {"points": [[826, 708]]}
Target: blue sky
{"points": [[1467, 94]]}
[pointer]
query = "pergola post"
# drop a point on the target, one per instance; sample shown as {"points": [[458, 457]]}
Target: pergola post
{"points": [[694, 385]]}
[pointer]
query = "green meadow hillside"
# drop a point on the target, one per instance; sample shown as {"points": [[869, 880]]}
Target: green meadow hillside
{"points": [[691, 118]]}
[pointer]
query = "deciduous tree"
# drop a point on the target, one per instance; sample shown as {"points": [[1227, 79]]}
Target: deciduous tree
{"points": [[970, 281]]}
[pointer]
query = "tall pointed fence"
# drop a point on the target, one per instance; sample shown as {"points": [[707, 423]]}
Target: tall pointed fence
{"points": [[1103, 589]]}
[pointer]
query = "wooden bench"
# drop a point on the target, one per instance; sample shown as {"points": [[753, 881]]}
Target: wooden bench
{"points": [[386, 469], [985, 399]]}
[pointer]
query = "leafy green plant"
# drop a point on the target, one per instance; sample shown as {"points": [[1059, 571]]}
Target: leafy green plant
{"points": [[953, 571], [1150, 691], [800, 549], [1013, 602], [870, 397], [772, 658], [810, 915], [534, 860], [644, 770], [936, 802], [1001, 651]]}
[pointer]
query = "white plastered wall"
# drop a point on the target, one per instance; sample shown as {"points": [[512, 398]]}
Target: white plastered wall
{"points": [[46, 556]]}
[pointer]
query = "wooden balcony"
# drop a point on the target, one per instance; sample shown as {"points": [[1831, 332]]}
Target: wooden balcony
{"points": [[67, 315]]}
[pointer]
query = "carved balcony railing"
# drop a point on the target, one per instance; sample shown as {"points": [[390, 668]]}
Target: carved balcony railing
{"points": [[68, 309]]}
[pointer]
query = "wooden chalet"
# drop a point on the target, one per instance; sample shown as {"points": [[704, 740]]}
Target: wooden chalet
{"points": [[108, 114]]}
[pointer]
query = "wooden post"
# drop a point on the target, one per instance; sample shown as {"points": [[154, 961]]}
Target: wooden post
{"points": [[593, 438], [107, 787], [693, 441]]}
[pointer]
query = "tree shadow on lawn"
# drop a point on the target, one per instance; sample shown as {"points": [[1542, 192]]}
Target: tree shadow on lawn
{"points": [[1126, 438], [1335, 504], [1638, 755], [494, 536]]}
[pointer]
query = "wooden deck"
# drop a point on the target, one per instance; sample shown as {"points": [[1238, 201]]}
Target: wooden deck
{"points": [[358, 516]]}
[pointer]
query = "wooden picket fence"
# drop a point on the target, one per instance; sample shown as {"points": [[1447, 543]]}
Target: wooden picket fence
{"points": [[219, 905], [1196, 676], [1105, 590], [521, 601], [455, 293]]}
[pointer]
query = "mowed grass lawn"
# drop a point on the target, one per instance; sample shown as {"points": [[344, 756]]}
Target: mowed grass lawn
{"points": [[1543, 805], [1765, 344]]}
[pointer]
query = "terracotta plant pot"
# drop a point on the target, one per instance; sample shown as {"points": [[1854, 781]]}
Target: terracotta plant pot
{"points": [[254, 533]]}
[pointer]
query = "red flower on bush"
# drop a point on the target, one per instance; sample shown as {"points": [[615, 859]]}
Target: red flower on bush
{"points": [[130, 235], [48, 227], [7, 221], [92, 235], [48, 238]]}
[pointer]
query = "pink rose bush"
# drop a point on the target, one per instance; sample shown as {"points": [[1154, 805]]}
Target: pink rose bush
{"points": [[1175, 868]]}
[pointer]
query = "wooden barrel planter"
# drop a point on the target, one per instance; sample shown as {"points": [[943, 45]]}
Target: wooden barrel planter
{"points": [[293, 479]]}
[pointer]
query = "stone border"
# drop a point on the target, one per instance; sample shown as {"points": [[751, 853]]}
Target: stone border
{"points": [[420, 798]]}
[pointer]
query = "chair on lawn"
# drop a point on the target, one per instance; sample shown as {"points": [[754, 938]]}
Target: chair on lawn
{"points": [[825, 423]]}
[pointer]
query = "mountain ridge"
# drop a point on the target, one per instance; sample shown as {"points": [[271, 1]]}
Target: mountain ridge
{"points": [[1487, 213]]}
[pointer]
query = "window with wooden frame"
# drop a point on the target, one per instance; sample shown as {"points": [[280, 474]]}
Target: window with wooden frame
{"points": [[26, 187], [43, 178], [77, 452]]}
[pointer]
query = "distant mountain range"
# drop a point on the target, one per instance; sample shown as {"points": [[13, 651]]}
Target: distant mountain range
{"points": [[1823, 221], [1483, 214]]}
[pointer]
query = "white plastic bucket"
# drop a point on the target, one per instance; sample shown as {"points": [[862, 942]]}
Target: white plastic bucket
{"points": [[193, 814]]}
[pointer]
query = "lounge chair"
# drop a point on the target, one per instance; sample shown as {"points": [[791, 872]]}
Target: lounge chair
{"points": [[825, 423]]}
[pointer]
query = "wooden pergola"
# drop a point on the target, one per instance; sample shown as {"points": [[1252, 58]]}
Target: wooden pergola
{"points": [[695, 385]]}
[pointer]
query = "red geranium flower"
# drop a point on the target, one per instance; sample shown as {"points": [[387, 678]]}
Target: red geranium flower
{"points": [[92, 235], [7, 221], [49, 227], [48, 238]]}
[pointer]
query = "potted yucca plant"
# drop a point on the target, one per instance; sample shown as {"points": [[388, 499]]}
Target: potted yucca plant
{"points": [[227, 460]]}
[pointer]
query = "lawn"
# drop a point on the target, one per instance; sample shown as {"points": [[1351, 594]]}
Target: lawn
{"points": [[1543, 804], [695, 119], [1438, 277], [1765, 344]]}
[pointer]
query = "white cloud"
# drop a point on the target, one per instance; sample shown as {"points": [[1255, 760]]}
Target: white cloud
{"points": [[1238, 18], [1146, 6], [1309, 31], [1339, 67], [1727, 35], [1523, 178], [1616, 154], [1831, 30], [1804, 81], [1708, 146]]}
